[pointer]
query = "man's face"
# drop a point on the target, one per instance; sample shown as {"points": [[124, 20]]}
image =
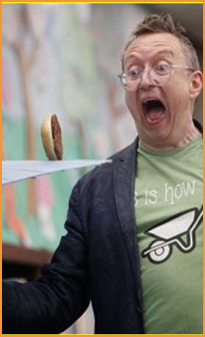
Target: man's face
{"points": [[161, 113]]}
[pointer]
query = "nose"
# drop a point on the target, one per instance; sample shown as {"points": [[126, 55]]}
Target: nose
{"points": [[145, 79]]}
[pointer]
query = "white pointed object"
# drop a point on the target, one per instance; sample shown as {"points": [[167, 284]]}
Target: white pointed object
{"points": [[16, 170]]}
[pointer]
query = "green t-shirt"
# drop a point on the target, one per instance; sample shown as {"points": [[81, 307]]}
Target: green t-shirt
{"points": [[169, 216]]}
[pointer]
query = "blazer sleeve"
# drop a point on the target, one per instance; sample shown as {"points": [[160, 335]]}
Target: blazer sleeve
{"points": [[61, 294]]}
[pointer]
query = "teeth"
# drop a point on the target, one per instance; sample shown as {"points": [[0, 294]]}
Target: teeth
{"points": [[146, 101]]}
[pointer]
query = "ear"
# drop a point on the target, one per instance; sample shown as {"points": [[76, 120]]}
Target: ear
{"points": [[196, 84]]}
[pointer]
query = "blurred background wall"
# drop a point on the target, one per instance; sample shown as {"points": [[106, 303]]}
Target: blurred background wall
{"points": [[64, 59]]}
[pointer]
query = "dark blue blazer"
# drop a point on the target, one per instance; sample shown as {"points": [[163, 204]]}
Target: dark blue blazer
{"points": [[96, 260]]}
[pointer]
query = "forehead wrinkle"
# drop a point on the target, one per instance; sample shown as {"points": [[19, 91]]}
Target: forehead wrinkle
{"points": [[153, 44], [133, 55]]}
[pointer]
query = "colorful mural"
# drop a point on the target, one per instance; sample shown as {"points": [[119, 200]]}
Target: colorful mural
{"points": [[57, 59]]}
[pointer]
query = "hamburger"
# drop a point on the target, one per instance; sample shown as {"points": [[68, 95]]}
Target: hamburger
{"points": [[52, 138]]}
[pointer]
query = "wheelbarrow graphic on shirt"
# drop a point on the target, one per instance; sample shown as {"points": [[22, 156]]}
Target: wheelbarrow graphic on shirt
{"points": [[170, 233]]}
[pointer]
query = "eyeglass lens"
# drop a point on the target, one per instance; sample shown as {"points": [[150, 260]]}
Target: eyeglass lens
{"points": [[153, 76]]}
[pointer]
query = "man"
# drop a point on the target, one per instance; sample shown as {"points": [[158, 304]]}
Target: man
{"points": [[134, 242]]}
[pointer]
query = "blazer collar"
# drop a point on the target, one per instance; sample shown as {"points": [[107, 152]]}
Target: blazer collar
{"points": [[198, 125], [124, 165]]}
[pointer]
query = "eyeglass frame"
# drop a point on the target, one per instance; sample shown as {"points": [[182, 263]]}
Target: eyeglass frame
{"points": [[170, 66]]}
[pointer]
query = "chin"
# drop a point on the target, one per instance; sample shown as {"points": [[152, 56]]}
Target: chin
{"points": [[156, 138]]}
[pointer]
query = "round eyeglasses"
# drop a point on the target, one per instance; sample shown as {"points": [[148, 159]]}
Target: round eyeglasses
{"points": [[159, 74]]}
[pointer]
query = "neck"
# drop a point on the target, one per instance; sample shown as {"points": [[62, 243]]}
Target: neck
{"points": [[189, 133]]}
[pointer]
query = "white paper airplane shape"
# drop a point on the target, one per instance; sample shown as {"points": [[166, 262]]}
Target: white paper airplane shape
{"points": [[16, 170]]}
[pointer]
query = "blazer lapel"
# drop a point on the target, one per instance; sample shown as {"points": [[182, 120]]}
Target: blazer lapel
{"points": [[124, 184], [125, 164]]}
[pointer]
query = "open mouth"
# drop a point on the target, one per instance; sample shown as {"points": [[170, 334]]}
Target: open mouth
{"points": [[154, 110]]}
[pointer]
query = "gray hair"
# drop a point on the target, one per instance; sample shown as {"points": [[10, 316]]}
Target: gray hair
{"points": [[164, 23]]}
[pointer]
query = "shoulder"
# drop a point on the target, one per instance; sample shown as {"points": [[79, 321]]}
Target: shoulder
{"points": [[98, 184], [104, 171]]}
